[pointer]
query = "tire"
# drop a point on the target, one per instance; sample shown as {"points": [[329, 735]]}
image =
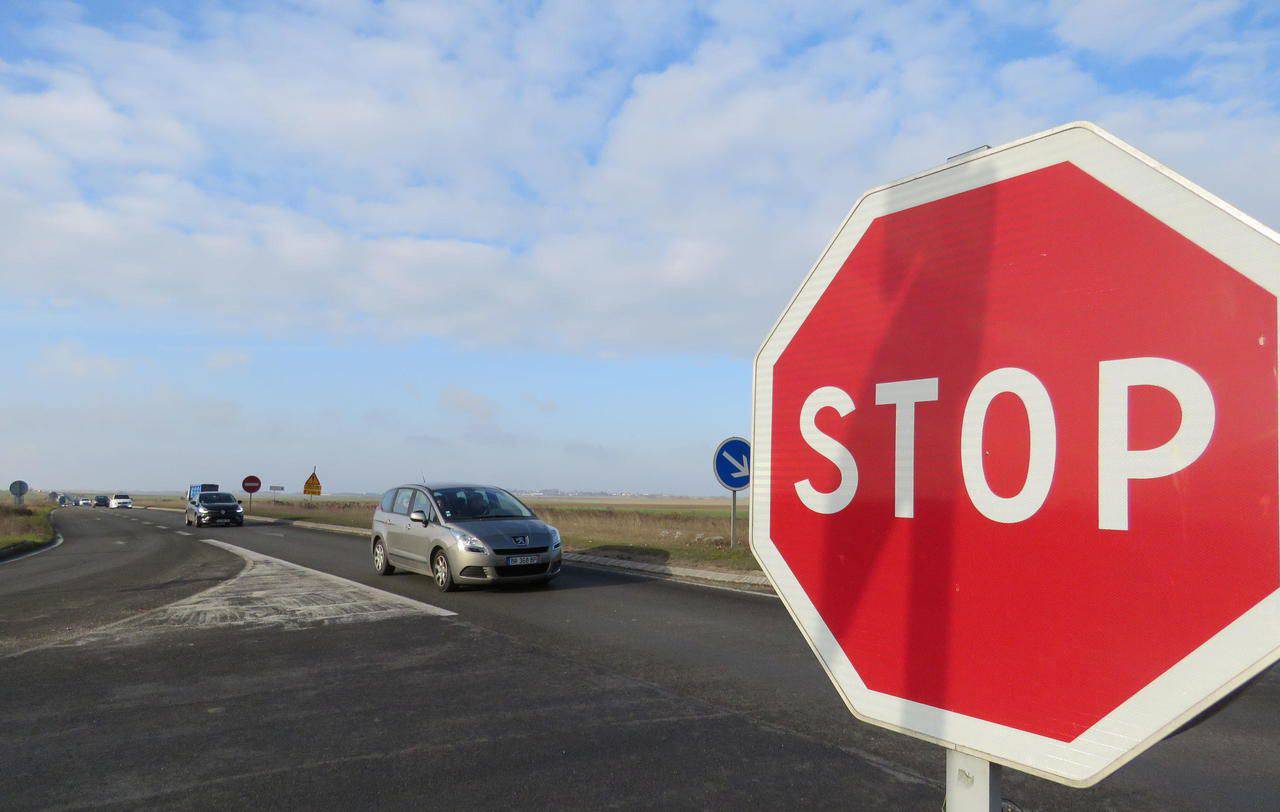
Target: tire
{"points": [[381, 563], [443, 575]]}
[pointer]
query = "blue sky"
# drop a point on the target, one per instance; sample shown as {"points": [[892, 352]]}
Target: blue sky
{"points": [[528, 243]]}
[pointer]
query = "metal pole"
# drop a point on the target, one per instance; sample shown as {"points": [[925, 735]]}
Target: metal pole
{"points": [[973, 783], [733, 520]]}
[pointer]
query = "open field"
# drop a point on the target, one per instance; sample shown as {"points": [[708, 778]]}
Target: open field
{"points": [[692, 532], [24, 528]]}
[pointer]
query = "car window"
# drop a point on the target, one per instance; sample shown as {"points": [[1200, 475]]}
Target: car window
{"points": [[403, 497], [388, 499], [463, 504], [217, 499], [421, 502]]}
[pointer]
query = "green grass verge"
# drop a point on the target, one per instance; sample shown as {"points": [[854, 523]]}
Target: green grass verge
{"points": [[24, 528]]}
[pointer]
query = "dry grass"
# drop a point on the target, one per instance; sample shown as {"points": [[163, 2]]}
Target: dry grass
{"points": [[692, 532], [24, 527], [695, 537]]}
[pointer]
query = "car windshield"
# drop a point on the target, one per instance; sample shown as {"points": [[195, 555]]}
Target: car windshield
{"points": [[122, 496], [217, 499], [466, 504]]}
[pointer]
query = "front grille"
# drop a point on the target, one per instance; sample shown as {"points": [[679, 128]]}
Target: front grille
{"points": [[472, 572], [521, 569], [521, 551]]}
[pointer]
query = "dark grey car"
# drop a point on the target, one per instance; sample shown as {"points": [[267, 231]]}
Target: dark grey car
{"points": [[213, 507], [463, 534]]}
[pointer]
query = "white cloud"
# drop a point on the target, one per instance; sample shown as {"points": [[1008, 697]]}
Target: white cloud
{"points": [[597, 179], [225, 359], [1131, 29], [480, 408], [72, 359]]}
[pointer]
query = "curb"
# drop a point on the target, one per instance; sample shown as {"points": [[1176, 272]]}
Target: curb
{"points": [[38, 547], [750, 580], [743, 579]]}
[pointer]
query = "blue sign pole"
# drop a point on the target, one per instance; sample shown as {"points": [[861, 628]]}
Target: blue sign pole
{"points": [[732, 467]]}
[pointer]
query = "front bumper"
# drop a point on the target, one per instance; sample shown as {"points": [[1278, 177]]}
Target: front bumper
{"points": [[236, 519], [492, 568]]}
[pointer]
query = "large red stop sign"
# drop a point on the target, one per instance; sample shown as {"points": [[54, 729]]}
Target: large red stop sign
{"points": [[1016, 454]]}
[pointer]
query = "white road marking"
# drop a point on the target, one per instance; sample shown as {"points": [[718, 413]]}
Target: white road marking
{"points": [[182, 532], [268, 593], [255, 558]]}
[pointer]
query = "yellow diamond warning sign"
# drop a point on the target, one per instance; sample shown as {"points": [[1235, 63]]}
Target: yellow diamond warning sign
{"points": [[312, 488]]}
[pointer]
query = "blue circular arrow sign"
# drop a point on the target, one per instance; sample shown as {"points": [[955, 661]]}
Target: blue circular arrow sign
{"points": [[732, 464]]}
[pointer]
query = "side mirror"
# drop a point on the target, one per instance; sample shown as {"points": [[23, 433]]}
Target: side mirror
{"points": [[419, 516]]}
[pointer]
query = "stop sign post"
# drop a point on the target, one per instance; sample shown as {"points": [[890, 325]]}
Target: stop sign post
{"points": [[1016, 457], [251, 485]]}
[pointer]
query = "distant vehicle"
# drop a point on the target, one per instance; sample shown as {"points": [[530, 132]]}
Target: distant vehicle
{"points": [[214, 507], [121, 500], [101, 501], [195, 490], [463, 534], [84, 501]]}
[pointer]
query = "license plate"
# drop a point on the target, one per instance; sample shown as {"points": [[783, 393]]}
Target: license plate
{"points": [[516, 560]]}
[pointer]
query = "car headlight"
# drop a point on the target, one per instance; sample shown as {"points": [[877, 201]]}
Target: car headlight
{"points": [[239, 508], [468, 542], [202, 510], [555, 537]]}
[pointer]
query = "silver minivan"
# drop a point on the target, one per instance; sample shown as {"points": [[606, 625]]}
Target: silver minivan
{"points": [[463, 534]]}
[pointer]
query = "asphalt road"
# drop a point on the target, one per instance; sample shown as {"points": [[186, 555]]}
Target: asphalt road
{"points": [[146, 667]]}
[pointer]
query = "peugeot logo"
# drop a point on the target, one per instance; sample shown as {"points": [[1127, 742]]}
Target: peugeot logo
{"points": [[521, 541]]}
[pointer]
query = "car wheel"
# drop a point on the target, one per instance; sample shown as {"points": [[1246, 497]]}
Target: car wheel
{"points": [[381, 564], [443, 576]]}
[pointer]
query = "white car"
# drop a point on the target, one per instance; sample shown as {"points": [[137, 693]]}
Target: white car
{"points": [[120, 500], [84, 501]]}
